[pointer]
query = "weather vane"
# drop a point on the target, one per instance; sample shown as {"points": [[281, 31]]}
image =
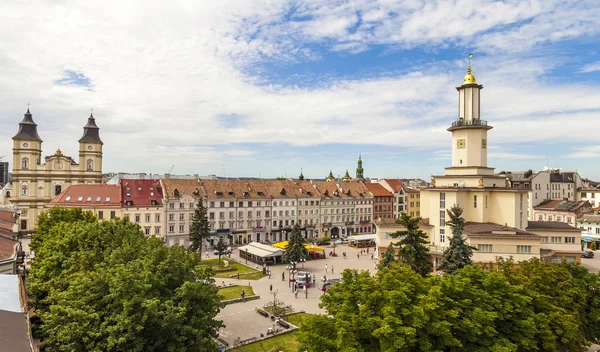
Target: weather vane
{"points": [[470, 57]]}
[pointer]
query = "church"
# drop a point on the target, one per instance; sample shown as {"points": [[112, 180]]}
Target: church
{"points": [[36, 180]]}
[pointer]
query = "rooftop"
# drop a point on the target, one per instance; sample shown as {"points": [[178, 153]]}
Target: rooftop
{"points": [[589, 218], [378, 190], [550, 225], [562, 205], [141, 193], [490, 229], [89, 196]]}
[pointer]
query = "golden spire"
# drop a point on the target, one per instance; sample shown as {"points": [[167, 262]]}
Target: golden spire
{"points": [[469, 77]]}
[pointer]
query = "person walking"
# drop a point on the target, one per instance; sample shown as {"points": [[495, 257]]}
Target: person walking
{"points": [[271, 287], [314, 280], [332, 269], [283, 276], [238, 275], [326, 268], [371, 256], [296, 294], [269, 274], [306, 290], [243, 296], [357, 255]]}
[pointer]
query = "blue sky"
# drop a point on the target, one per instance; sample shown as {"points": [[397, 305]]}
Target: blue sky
{"points": [[255, 88]]}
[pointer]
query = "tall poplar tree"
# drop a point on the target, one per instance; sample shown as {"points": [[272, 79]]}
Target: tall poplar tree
{"points": [[199, 227], [295, 249], [459, 254], [413, 247]]}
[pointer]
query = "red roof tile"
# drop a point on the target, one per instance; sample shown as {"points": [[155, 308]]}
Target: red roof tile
{"points": [[7, 247], [141, 193], [396, 185], [378, 190]]}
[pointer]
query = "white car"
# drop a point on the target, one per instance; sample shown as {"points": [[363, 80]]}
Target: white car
{"points": [[341, 241]]}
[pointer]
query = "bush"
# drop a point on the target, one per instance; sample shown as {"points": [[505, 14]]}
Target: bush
{"points": [[593, 246], [325, 238]]}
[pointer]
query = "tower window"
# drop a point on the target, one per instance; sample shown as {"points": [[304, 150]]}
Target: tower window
{"points": [[89, 164], [57, 189], [24, 190], [25, 163]]}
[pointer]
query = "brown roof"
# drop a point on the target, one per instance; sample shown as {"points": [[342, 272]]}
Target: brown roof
{"points": [[89, 196], [183, 186], [7, 247], [423, 223], [562, 205], [378, 190], [14, 332], [307, 189], [550, 226], [283, 188], [355, 189], [589, 218], [7, 222], [412, 189], [329, 189], [494, 230]]}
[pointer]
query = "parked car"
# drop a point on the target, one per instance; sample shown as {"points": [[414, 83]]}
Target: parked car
{"points": [[303, 277], [226, 252], [323, 243], [587, 254], [341, 241]]}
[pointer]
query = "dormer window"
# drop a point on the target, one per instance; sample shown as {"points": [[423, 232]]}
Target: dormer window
{"points": [[98, 199], [196, 192], [89, 199], [108, 199], [230, 193], [261, 193], [129, 203], [219, 193], [282, 192], [175, 193], [80, 199], [153, 202], [246, 194]]}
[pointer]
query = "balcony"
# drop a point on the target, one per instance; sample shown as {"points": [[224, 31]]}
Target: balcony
{"points": [[463, 122]]}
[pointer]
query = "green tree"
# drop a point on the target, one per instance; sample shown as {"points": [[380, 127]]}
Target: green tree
{"points": [[296, 248], [199, 229], [221, 248], [389, 256], [413, 247], [459, 253], [107, 287]]}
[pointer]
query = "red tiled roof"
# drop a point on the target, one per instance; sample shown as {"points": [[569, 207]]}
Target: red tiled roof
{"points": [[307, 189], [329, 189], [355, 189], [7, 222], [7, 247], [378, 190], [396, 185], [141, 193], [89, 195]]}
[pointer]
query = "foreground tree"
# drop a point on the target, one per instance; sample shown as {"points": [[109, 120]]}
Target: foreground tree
{"points": [[220, 248], [107, 287], [199, 228], [413, 247], [459, 253], [296, 248], [389, 256]]}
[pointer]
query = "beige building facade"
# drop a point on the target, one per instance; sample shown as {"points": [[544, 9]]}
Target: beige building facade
{"points": [[36, 180]]}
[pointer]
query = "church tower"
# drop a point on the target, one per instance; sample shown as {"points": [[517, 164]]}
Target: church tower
{"points": [[469, 132], [90, 150], [359, 169], [27, 154]]}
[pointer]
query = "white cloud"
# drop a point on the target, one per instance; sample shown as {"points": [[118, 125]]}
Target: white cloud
{"points": [[591, 67], [592, 151], [161, 77]]}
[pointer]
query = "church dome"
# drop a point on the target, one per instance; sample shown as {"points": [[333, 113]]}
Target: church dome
{"points": [[469, 77]]}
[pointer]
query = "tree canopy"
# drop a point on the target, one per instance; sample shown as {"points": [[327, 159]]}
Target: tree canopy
{"points": [[413, 247], [537, 307], [459, 253], [105, 286], [199, 228], [296, 248]]}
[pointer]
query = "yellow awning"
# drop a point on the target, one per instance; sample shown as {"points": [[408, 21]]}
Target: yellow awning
{"points": [[309, 247]]}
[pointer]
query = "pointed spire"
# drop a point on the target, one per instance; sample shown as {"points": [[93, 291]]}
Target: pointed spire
{"points": [[301, 175], [27, 129], [91, 132], [330, 177]]}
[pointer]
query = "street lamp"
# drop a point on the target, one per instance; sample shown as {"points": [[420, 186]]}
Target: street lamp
{"points": [[289, 269], [302, 260]]}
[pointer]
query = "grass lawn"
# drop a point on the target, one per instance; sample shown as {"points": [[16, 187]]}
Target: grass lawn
{"points": [[245, 272], [235, 292], [287, 342]]}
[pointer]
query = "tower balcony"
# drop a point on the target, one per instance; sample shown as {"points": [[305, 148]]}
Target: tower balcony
{"points": [[477, 123]]}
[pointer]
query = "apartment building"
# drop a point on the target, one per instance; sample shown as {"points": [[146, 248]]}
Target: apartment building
{"points": [[309, 208], [362, 216], [383, 201], [104, 201], [337, 209], [413, 201], [286, 196], [562, 211], [142, 203], [589, 224], [399, 194], [590, 194], [559, 241]]}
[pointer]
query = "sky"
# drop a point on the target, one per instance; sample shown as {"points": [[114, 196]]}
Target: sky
{"points": [[256, 88]]}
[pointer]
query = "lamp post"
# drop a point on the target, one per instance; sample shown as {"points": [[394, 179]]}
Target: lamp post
{"points": [[302, 260], [289, 269]]}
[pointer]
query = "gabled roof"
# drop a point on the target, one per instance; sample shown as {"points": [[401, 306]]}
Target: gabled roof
{"points": [[355, 189], [329, 189], [282, 189], [141, 193], [182, 186], [562, 205], [89, 196], [307, 189], [396, 185], [378, 190]]}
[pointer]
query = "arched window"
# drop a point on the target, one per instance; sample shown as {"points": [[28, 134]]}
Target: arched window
{"points": [[89, 164], [24, 189], [25, 163]]}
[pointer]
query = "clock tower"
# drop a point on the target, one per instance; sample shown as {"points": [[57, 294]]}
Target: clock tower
{"points": [[469, 132]]}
